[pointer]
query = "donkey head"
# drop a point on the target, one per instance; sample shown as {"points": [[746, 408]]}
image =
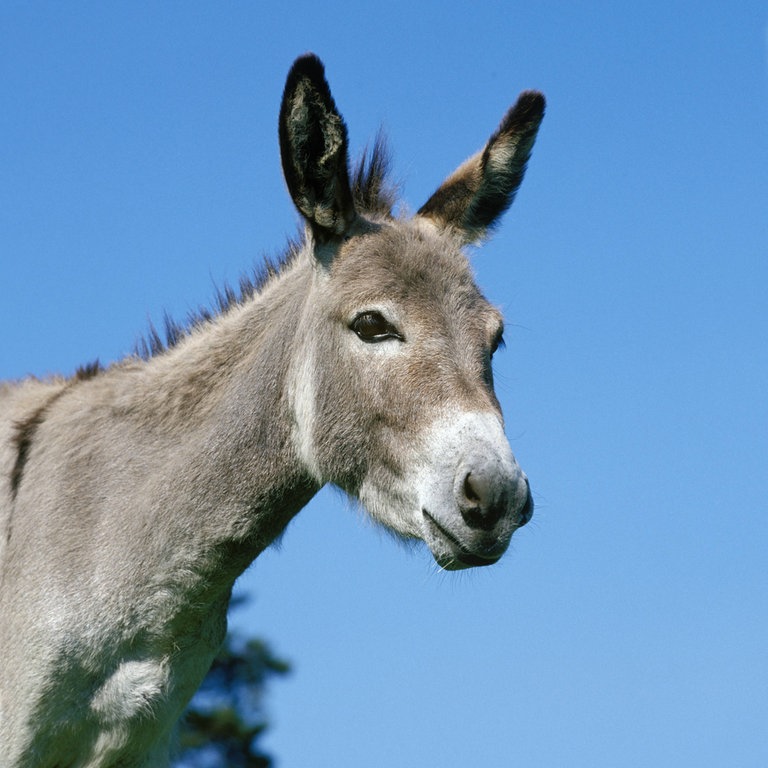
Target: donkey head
{"points": [[391, 389]]}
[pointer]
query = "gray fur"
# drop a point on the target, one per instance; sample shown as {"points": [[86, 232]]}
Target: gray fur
{"points": [[131, 498]]}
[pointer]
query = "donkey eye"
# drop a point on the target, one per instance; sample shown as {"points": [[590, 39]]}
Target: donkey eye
{"points": [[373, 327]]}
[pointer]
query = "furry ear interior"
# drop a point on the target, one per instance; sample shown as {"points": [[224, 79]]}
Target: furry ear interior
{"points": [[473, 198], [314, 150]]}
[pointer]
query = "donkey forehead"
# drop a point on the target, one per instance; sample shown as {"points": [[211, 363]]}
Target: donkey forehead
{"points": [[417, 271]]}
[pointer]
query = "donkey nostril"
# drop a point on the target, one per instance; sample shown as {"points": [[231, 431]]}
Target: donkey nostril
{"points": [[469, 491], [478, 504], [484, 499]]}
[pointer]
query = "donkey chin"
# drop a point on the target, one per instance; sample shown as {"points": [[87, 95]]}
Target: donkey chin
{"points": [[464, 497]]}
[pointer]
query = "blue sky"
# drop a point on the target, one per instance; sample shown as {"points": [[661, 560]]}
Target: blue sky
{"points": [[628, 624]]}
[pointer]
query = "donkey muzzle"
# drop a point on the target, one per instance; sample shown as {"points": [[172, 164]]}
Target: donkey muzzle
{"points": [[478, 498]]}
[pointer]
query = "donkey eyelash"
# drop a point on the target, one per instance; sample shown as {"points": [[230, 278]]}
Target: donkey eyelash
{"points": [[498, 343]]}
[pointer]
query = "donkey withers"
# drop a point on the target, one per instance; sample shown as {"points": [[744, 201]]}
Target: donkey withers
{"points": [[131, 498]]}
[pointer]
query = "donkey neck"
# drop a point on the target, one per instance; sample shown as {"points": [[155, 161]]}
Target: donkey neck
{"points": [[146, 490], [214, 409]]}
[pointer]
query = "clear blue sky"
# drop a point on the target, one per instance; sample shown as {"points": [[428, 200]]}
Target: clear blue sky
{"points": [[628, 626]]}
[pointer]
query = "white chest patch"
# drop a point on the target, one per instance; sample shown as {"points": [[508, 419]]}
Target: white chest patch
{"points": [[133, 691]]}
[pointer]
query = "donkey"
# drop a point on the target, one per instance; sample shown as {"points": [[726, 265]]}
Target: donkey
{"points": [[133, 496]]}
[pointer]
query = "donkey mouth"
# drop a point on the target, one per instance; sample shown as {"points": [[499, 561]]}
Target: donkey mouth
{"points": [[457, 556]]}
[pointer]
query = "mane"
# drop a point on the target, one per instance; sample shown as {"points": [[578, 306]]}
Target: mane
{"points": [[373, 193], [155, 342], [372, 188]]}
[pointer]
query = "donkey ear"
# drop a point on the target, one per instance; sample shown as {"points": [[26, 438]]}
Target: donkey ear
{"points": [[474, 196], [313, 148]]}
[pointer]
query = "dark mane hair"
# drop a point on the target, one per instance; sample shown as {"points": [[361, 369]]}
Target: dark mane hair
{"points": [[372, 188], [373, 193]]}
